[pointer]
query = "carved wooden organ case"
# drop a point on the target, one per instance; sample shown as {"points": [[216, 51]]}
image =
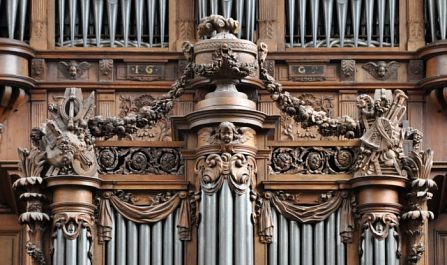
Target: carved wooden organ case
{"points": [[224, 168]]}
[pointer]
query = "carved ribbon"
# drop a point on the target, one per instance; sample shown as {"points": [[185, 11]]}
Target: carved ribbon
{"points": [[143, 214]]}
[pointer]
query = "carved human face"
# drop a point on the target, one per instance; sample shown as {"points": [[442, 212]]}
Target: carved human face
{"points": [[226, 135], [72, 71], [381, 71]]}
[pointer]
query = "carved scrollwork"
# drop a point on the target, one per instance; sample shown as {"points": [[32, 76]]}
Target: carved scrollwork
{"points": [[213, 169], [379, 223], [71, 223], [124, 160], [312, 160]]}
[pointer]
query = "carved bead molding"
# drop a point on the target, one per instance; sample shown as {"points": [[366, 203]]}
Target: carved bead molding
{"points": [[74, 70], [299, 110], [418, 164], [286, 204], [31, 164], [124, 160], [161, 206], [379, 223], [382, 70], [312, 160]]}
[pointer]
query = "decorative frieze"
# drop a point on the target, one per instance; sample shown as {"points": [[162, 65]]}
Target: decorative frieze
{"points": [[125, 160]]}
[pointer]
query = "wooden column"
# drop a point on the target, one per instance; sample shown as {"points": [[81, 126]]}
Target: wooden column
{"points": [[271, 24], [184, 23], [415, 24], [39, 30]]}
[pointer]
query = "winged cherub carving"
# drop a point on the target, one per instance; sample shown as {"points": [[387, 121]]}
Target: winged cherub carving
{"points": [[73, 69], [381, 70]]}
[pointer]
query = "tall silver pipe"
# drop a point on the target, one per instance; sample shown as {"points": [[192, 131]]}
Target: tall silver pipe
{"points": [[55, 248], [249, 227], [442, 13], [240, 229], [178, 244], [144, 243], [369, 20], [431, 11], [23, 9], [225, 225], [226, 7], [391, 248], [201, 232], [132, 243], [60, 247], [112, 8], [139, 20], [314, 8], [71, 247], [157, 235], [121, 241], [85, 13], [302, 16], [203, 8], [392, 8], [295, 238], [273, 247], [210, 214], [151, 19], [319, 243], [330, 241], [98, 8], [356, 10], [61, 21], [283, 242], [214, 6], [291, 17], [342, 13], [328, 7], [250, 19], [110, 258], [381, 7], [73, 12], [379, 248], [168, 243], [125, 14], [83, 248], [162, 22], [12, 6], [368, 250], [341, 249], [307, 244], [239, 14]]}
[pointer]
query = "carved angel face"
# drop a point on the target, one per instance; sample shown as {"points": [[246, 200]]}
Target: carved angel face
{"points": [[381, 68], [226, 135]]}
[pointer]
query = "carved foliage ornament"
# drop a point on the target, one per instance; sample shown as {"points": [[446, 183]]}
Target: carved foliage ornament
{"points": [[239, 169], [348, 70], [300, 111], [216, 23], [381, 70]]}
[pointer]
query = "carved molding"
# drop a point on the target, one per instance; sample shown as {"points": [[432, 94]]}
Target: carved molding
{"points": [[125, 160], [312, 160], [382, 70]]}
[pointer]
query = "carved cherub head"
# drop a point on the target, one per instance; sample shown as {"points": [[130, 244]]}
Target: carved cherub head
{"points": [[381, 70], [227, 132], [73, 69]]}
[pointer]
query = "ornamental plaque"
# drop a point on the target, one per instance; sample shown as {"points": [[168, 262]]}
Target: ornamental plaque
{"points": [[145, 72], [307, 72]]}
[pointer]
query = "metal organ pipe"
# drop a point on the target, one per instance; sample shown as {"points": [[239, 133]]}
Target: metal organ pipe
{"points": [[283, 242], [98, 9], [85, 11], [225, 225], [132, 243], [144, 244]]}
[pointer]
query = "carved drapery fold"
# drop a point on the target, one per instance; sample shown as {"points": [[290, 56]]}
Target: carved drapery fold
{"points": [[143, 214], [303, 214]]}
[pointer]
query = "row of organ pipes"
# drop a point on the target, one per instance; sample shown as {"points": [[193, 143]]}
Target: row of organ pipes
{"points": [[362, 13], [436, 18], [16, 13], [147, 14]]}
